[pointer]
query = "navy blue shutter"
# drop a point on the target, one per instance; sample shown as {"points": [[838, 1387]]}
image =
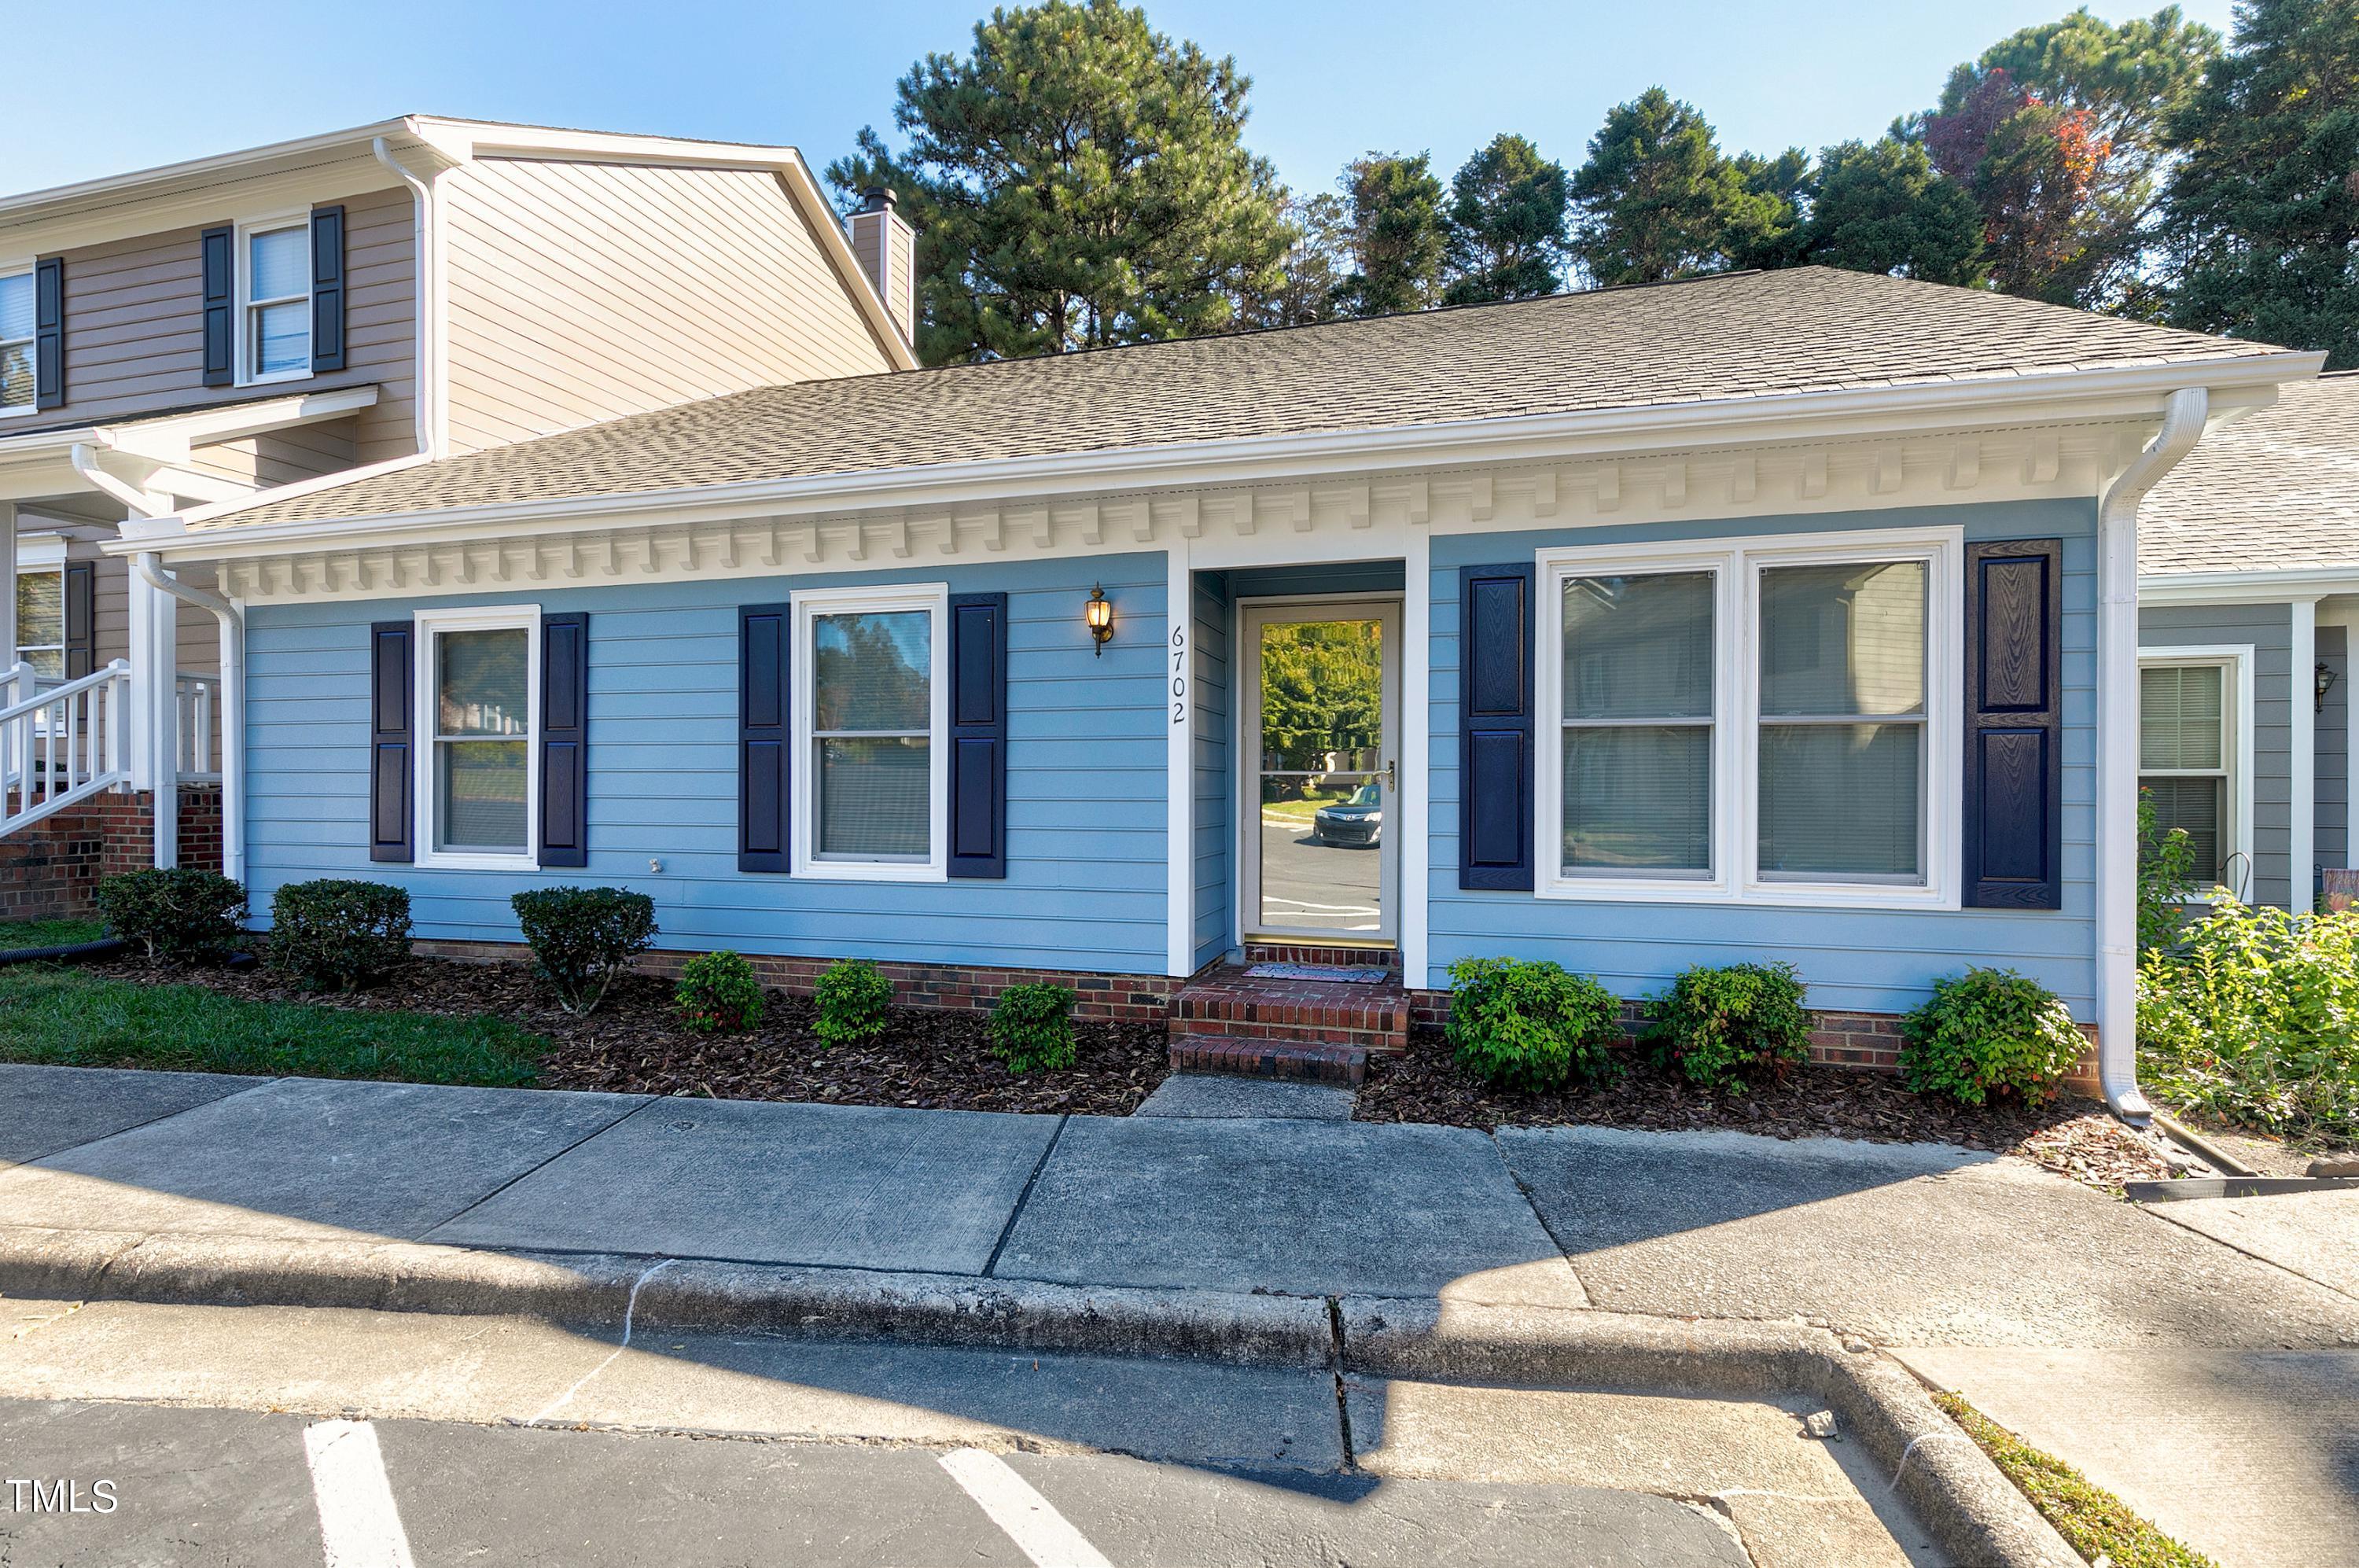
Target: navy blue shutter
{"points": [[765, 737], [327, 291], [2013, 815], [391, 816], [81, 620], [978, 704], [1495, 728], [218, 249], [565, 740], [49, 332]]}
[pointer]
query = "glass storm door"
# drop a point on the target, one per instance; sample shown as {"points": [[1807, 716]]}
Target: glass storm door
{"points": [[1318, 856]]}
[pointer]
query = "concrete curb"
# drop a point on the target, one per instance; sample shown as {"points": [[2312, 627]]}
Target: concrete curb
{"points": [[1976, 1513]]}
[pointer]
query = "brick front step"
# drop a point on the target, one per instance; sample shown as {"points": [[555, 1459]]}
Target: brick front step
{"points": [[1270, 1058], [1307, 952], [1226, 1003]]}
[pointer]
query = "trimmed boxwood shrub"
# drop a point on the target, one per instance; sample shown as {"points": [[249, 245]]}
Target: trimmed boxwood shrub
{"points": [[181, 915], [584, 938], [1530, 1025], [718, 992], [1989, 1032], [337, 934], [855, 1004], [1032, 1026], [1731, 1027]]}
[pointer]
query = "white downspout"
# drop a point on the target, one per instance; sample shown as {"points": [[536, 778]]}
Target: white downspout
{"points": [[427, 379], [2117, 749], [232, 705]]}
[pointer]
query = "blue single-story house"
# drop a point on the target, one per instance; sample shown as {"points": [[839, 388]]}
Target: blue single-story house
{"points": [[1784, 615]]}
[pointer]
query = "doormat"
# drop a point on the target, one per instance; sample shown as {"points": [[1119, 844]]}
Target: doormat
{"points": [[1338, 974]]}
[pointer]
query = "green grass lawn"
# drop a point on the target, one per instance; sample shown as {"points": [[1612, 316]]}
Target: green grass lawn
{"points": [[16, 934], [2094, 1521], [76, 1018]]}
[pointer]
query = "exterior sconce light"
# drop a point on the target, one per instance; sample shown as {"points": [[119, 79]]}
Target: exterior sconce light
{"points": [[2325, 684], [1099, 613]]}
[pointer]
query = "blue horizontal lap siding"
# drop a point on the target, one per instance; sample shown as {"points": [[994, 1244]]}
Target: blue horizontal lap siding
{"points": [[1086, 776], [1867, 961], [2268, 630]]}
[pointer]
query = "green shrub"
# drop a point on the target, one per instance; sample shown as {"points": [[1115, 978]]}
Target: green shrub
{"points": [[717, 991], [855, 1004], [182, 915], [1990, 1032], [1731, 1027], [584, 938], [2253, 1021], [2167, 882], [1032, 1026], [333, 935], [1530, 1025]]}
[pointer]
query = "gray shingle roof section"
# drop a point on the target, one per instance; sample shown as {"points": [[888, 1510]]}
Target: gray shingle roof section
{"points": [[1739, 335], [2277, 491]]}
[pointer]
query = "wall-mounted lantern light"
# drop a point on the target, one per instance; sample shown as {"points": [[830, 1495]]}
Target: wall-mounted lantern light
{"points": [[1099, 613], [2325, 684]]}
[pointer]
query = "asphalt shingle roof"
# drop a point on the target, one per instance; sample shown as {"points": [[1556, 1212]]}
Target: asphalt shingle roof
{"points": [[2277, 490], [1738, 335]]}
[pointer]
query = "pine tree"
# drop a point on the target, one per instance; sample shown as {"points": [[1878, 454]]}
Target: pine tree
{"points": [[1396, 236], [1658, 200], [1506, 224], [1880, 207]]}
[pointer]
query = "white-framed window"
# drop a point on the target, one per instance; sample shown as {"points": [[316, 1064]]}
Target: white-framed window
{"points": [[274, 280], [2195, 752], [871, 775], [18, 369], [478, 724], [1765, 721], [41, 619]]}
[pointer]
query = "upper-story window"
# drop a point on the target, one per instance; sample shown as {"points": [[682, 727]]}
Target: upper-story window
{"points": [[275, 341], [17, 372]]}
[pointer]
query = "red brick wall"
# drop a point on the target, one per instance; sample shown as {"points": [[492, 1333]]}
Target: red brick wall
{"points": [[48, 870]]}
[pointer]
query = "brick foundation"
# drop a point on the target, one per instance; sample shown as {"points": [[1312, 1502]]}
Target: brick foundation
{"points": [[49, 871]]}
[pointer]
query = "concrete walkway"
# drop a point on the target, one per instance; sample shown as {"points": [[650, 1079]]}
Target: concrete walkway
{"points": [[1988, 1274]]}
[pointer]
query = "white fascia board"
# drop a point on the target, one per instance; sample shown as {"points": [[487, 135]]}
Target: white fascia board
{"points": [[2263, 587], [169, 439], [1993, 402]]}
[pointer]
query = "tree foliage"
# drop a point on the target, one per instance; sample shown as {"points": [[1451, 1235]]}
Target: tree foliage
{"points": [[1880, 207], [1656, 199], [1506, 223], [1396, 236], [1077, 180]]}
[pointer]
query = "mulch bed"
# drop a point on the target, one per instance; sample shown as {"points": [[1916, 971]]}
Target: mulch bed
{"points": [[2073, 1137], [929, 1061]]}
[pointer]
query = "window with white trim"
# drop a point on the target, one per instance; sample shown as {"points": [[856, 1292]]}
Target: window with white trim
{"points": [[478, 714], [19, 370], [274, 277], [1768, 721], [41, 619], [870, 713], [2187, 753]]}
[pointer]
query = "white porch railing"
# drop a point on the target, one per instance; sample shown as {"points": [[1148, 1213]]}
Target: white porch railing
{"points": [[60, 744], [193, 709]]}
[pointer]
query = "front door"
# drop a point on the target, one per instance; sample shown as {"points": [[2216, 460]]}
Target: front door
{"points": [[1319, 857]]}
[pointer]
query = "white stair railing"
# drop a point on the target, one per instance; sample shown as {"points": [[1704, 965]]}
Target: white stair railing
{"points": [[193, 702], [61, 744]]}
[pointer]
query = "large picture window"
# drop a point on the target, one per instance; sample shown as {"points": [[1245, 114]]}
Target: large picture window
{"points": [[2191, 751], [870, 713], [477, 701], [1771, 722]]}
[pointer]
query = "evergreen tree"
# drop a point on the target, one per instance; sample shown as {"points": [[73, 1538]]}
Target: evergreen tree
{"points": [[1396, 236], [1658, 200], [2262, 217], [1077, 180], [1318, 258], [1880, 207], [1506, 228]]}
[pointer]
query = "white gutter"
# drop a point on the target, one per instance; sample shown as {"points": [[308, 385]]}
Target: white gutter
{"points": [[426, 374], [2263, 587], [2117, 749], [232, 729], [84, 458]]}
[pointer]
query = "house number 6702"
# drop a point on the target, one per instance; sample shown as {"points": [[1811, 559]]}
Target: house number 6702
{"points": [[1180, 675]]}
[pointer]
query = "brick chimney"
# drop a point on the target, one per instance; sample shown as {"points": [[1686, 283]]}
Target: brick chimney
{"points": [[887, 247]]}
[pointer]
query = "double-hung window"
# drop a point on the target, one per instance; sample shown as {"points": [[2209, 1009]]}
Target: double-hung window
{"points": [[478, 710], [17, 366], [41, 620], [870, 715], [1769, 721], [275, 274], [2190, 744]]}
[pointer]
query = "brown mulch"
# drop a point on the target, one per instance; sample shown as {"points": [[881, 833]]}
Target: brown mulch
{"points": [[2070, 1136], [930, 1059]]}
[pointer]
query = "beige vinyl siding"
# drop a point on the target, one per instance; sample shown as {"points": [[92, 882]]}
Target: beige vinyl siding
{"points": [[197, 635], [903, 298], [579, 292], [134, 327], [282, 457]]}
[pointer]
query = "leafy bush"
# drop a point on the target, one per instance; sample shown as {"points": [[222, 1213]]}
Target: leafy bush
{"points": [[2254, 1022], [338, 934], [1530, 1025], [1032, 1026], [182, 915], [1725, 1028], [584, 938], [718, 991], [2167, 882], [855, 1002], [1990, 1032]]}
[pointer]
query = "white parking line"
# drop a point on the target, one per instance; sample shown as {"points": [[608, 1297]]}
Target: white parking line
{"points": [[1039, 1530], [359, 1526]]}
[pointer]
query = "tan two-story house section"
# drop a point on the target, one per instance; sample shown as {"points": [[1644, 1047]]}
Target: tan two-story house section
{"points": [[415, 288]]}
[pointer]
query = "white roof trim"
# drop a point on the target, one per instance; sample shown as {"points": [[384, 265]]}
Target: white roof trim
{"points": [[167, 437], [2287, 586]]}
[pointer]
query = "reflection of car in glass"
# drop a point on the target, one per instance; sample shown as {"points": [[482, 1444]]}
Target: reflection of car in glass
{"points": [[1353, 823]]}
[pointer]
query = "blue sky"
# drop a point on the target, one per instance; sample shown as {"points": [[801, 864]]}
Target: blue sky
{"points": [[1330, 80]]}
